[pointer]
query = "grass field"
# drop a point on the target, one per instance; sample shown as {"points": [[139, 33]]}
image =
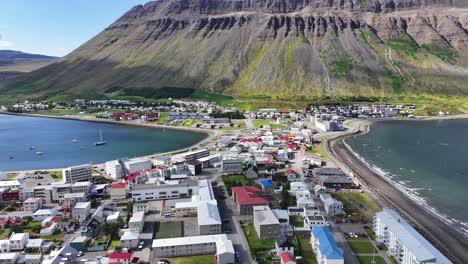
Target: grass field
{"points": [[360, 204], [318, 151], [305, 250], [370, 233], [256, 244], [368, 260], [56, 175], [236, 180], [296, 221], [261, 122], [168, 230], [193, 260], [363, 246]]}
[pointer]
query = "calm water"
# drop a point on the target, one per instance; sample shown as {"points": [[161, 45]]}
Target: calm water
{"points": [[54, 138], [429, 156]]}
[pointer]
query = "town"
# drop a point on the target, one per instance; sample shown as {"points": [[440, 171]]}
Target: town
{"points": [[262, 189]]}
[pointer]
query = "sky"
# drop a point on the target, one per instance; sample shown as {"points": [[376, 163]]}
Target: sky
{"points": [[56, 27]]}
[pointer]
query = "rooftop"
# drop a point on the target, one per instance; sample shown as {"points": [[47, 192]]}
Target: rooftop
{"points": [[246, 195], [267, 183], [223, 244], [328, 245], [422, 249], [82, 205], [120, 255], [130, 235], [32, 200], [264, 216]]}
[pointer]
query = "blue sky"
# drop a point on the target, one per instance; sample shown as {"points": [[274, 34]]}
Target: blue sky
{"points": [[56, 27]]}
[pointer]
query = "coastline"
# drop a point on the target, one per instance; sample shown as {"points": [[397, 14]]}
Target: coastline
{"points": [[448, 239], [210, 134]]}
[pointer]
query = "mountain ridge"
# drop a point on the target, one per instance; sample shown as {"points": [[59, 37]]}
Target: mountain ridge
{"points": [[299, 48]]}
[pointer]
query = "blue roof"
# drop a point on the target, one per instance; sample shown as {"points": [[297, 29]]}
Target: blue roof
{"points": [[267, 183], [328, 245]]}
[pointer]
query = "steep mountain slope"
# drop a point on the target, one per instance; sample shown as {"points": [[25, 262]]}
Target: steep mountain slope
{"points": [[288, 48]]}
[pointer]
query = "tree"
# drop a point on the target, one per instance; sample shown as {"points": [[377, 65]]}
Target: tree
{"points": [[130, 207], [111, 230]]}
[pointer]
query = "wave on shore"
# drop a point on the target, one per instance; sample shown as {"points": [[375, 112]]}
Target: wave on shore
{"points": [[411, 192]]}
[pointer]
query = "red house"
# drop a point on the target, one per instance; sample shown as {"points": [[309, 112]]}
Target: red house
{"points": [[246, 197]]}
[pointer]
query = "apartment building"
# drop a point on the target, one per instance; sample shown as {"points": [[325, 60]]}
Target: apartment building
{"points": [[81, 173], [265, 222], [137, 164], [114, 169], [404, 243], [159, 191], [32, 204], [81, 211], [137, 222], [324, 246], [196, 245]]}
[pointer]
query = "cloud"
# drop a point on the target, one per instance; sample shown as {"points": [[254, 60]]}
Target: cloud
{"points": [[63, 49], [4, 43]]}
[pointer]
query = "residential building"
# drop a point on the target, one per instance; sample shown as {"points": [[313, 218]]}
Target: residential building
{"points": [[324, 246], [115, 169], [42, 214], [332, 178], [140, 207], [122, 258], [130, 239], [118, 191], [9, 258], [82, 187], [74, 198], [231, 166], [287, 258], [33, 259], [283, 244], [81, 211], [282, 216], [314, 220], [192, 155], [297, 186], [4, 246], [404, 243], [209, 220], [319, 189], [32, 204], [246, 197], [159, 191], [331, 205], [81, 173], [18, 241], [196, 245], [137, 164], [265, 222], [267, 186], [137, 222]]}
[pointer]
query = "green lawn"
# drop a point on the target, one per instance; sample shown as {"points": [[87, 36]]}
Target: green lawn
{"points": [[318, 151], [261, 122], [167, 229], [305, 250], [256, 244], [359, 204], [187, 123], [370, 233], [363, 246], [368, 260], [193, 260], [11, 176], [56, 175], [282, 126], [236, 180], [296, 221], [115, 243], [5, 233]]}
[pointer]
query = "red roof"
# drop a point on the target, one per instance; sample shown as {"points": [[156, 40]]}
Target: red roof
{"points": [[289, 172], [119, 185], [120, 255], [286, 138], [255, 140], [248, 195], [287, 257]]}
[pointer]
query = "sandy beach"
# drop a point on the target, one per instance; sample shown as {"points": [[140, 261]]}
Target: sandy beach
{"points": [[444, 236]]}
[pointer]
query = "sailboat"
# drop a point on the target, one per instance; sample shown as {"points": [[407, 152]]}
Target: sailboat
{"points": [[75, 140], [101, 141]]}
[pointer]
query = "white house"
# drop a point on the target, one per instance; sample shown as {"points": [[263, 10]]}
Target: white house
{"points": [[137, 222], [130, 239], [4, 245], [319, 189], [297, 186], [42, 214], [331, 205], [18, 241], [9, 258], [314, 220], [81, 211], [32, 204], [137, 164], [114, 169]]}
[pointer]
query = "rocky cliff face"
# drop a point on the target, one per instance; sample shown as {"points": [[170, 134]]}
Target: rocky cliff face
{"points": [[287, 47]]}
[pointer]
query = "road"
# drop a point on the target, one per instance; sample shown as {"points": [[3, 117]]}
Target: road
{"points": [[448, 240]]}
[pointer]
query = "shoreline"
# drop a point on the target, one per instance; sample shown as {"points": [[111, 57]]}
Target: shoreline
{"points": [[449, 240], [210, 134]]}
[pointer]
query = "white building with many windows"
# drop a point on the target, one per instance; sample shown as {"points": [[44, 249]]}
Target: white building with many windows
{"points": [[81, 173], [159, 191], [32, 204], [196, 245], [81, 211], [137, 164], [404, 243]]}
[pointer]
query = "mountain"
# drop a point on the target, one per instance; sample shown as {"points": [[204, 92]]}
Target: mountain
{"points": [[14, 63], [284, 48]]}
